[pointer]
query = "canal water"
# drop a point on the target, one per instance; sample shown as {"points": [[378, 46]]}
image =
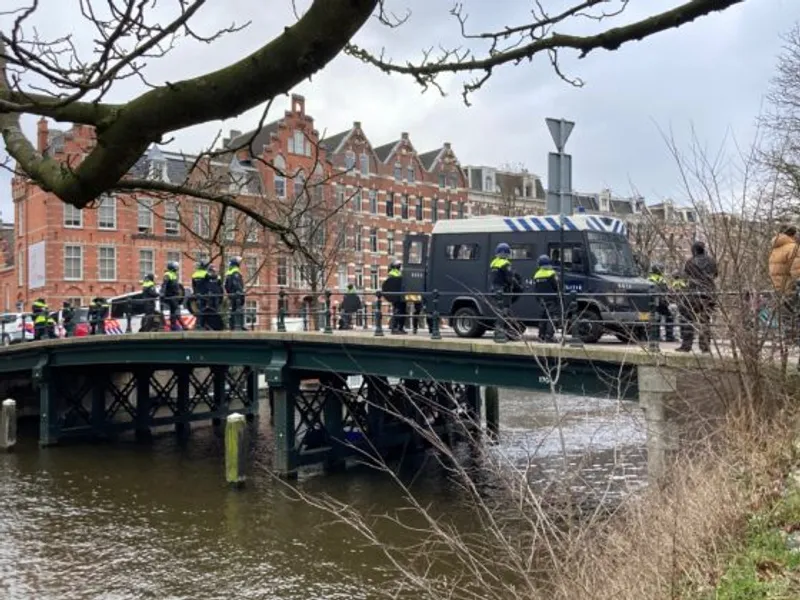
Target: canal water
{"points": [[128, 521]]}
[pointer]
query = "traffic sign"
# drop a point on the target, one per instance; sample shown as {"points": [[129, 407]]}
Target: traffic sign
{"points": [[559, 131]]}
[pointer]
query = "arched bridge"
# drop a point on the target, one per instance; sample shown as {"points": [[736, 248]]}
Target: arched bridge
{"points": [[104, 385]]}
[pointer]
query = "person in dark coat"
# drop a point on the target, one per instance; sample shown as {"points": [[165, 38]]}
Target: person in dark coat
{"points": [[503, 278], [98, 313], [234, 288], [546, 287], [700, 272], [213, 300], [393, 292], [200, 293], [351, 304], [172, 295], [68, 319], [150, 321]]}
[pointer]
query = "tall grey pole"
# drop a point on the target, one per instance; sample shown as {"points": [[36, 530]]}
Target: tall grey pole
{"points": [[559, 169]]}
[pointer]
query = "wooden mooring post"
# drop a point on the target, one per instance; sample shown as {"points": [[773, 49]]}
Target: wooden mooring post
{"points": [[236, 449], [8, 424]]}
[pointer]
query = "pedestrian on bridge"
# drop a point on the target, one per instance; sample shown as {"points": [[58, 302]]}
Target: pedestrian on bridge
{"points": [[392, 289], [200, 293], [547, 288], [351, 304], [172, 295], [39, 312], [68, 318], [234, 288], [98, 313], [700, 271], [656, 277], [150, 322], [214, 295]]}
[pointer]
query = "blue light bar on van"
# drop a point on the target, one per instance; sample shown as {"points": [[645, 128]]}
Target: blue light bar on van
{"points": [[495, 224]]}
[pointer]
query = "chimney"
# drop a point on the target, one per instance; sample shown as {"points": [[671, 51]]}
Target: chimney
{"points": [[447, 145], [41, 135], [404, 136], [298, 105], [356, 124]]}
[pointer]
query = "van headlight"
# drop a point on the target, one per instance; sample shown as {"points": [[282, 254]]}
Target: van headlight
{"points": [[617, 300]]}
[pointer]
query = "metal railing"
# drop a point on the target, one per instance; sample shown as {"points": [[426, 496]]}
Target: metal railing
{"points": [[323, 312]]}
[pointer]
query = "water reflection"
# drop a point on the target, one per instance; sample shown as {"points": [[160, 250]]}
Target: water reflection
{"points": [[157, 521]]}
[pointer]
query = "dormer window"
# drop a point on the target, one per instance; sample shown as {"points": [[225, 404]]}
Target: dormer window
{"points": [[364, 163], [349, 160], [398, 171]]}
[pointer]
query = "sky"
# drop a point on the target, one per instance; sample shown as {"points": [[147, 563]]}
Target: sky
{"points": [[708, 77]]}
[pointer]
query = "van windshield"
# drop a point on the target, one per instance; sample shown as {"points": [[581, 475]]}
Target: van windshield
{"points": [[611, 255]]}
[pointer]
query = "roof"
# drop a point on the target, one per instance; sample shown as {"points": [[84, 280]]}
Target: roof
{"points": [[494, 224], [333, 142], [429, 158], [256, 139], [385, 151]]}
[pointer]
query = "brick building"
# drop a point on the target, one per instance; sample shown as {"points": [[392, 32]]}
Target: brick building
{"points": [[350, 203]]}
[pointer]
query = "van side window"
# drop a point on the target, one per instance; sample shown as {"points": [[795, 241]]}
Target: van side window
{"points": [[573, 259], [523, 251], [414, 252], [462, 251]]}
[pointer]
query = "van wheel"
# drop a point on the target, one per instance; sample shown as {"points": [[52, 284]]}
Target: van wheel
{"points": [[466, 323], [589, 325]]}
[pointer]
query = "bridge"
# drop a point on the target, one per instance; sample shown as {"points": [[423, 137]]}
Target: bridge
{"points": [[102, 386]]}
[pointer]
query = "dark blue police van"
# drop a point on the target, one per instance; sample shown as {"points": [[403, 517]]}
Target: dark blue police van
{"points": [[598, 264]]}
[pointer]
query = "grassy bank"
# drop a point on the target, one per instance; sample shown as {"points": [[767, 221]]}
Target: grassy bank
{"points": [[767, 562]]}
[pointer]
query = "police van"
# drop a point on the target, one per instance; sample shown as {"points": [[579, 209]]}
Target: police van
{"points": [[598, 264]]}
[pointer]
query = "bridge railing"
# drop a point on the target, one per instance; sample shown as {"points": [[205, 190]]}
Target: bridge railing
{"points": [[573, 312]]}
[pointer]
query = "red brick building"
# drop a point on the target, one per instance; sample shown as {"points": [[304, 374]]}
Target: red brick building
{"points": [[355, 201]]}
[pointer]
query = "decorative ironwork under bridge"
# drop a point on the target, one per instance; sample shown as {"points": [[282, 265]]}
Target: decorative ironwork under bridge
{"points": [[103, 385]]}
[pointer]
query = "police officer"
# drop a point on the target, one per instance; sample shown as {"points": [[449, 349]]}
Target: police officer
{"points": [[67, 318], [234, 288], [214, 293], [502, 278], [656, 277], [150, 322], [677, 294], [172, 296], [98, 312], [200, 292], [351, 304], [393, 291], [39, 312], [547, 288]]}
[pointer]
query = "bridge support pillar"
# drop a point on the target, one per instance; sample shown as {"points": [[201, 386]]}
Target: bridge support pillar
{"points": [[492, 403], [656, 385], [285, 455]]}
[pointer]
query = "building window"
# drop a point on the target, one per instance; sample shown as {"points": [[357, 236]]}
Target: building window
{"points": [[75, 301], [349, 160], [411, 176], [357, 241], [442, 180], [279, 180], [250, 313], [251, 270], [73, 217], [404, 207], [298, 144], [359, 277], [373, 240], [390, 242], [283, 271], [448, 209], [339, 196], [175, 256], [418, 210], [460, 210], [73, 263], [147, 262], [144, 215], [107, 213], [299, 185], [373, 202], [172, 218], [434, 210], [389, 204], [373, 277], [357, 200], [202, 220], [252, 230], [107, 263], [453, 180], [398, 171], [229, 226], [364, 163], [487, 186]]}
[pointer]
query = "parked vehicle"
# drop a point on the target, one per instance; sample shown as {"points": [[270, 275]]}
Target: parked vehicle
{"points": [[12, 330], [597, 263]]}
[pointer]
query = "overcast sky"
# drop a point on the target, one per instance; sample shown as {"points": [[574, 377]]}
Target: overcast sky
{"points": [[711, 75]]}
